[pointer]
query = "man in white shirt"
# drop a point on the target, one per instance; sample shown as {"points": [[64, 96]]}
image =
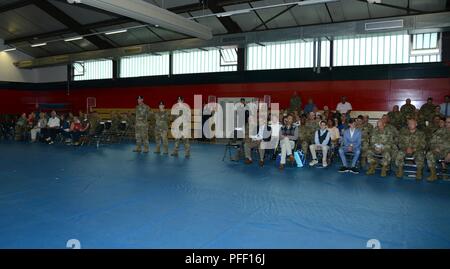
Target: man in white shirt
{"points": [[52, 129], [321, 141], [344, 107]]}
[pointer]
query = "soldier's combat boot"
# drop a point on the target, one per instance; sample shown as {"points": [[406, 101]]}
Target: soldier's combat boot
{"points": [[384, 170], [363, 162], [372, 168], [137, 149], [433, 175], [399, 173], [146, 150], [419, 173], [157, 150]]}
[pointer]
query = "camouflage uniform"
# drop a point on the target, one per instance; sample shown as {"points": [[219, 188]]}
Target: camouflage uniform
{"points": [[142, 115], [366, 132], [429, 131], [407, 111], [385, 139], [162, 119], [397, 119], [295, 103], [415, 140], [439, 141], [20, 129], [394, 131], [184, 140], [306, 134], [94, 121], [426, 113]]}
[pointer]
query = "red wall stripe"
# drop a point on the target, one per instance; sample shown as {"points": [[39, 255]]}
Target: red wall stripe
{"points": [[370, 95]]}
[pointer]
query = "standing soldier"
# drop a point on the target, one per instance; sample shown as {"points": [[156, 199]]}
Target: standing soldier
{"points": [[439, 148], [426, 112], [396, 118], [162, 118], [411, 144], [295, 103], [408, 110], [185, 140], [381, 143], [142, 115]]}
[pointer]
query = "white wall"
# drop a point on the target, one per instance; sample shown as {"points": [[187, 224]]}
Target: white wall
{"points": [[9, 72]]}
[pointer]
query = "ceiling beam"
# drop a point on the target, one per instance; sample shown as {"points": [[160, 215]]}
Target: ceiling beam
{"points": [[71, 23], [118, 21], [407, 9], [275, 16], [85, 27], [16, 5], [231, 26]]}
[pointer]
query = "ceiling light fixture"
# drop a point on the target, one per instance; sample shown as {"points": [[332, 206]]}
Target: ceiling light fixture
{"points": [[38, 45], [73, 39], [7, 50], [116, 32]]}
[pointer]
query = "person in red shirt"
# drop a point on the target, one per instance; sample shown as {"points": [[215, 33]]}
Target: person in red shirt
{"points": [[78, 129]]}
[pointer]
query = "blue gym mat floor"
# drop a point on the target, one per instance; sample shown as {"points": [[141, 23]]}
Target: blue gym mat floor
{"points": [[113, 198]]}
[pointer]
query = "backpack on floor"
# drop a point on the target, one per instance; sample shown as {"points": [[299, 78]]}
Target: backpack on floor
{"points": [[300, 159]]}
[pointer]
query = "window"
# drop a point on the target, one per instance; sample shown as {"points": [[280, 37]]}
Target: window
{"points": [[204, 61], [386, 49], [145, 65], [90, 70], [287, 54], [425, 47]]}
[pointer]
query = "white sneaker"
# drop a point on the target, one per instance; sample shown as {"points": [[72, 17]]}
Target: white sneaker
{"points": [[313, 162], [324, 164]]}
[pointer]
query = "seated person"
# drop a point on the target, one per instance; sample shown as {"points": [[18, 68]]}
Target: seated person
{"points": [[77, 129], [411, 143], [42, 122], [321, 141], [254, 141], [21, 127], [53, 128], [439, 148], [351, 143], [65, 128], [381, 143], [288, 138], [334, 133]]}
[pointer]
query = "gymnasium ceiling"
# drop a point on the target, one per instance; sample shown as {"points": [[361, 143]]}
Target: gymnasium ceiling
{"points": [[26, 22]]}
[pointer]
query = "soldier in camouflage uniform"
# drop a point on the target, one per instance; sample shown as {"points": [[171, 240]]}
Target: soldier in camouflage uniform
{"points": [[411, 144], [432, 127], [185, 140], [162, 118], [426, 112], [115, 121], [295, 103], [94, 122], [306, 132], [407, 110], [21, 127], [388, 126], [142, 115], [439, 148], [396, 117], [381, 143], [366, 132]]}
